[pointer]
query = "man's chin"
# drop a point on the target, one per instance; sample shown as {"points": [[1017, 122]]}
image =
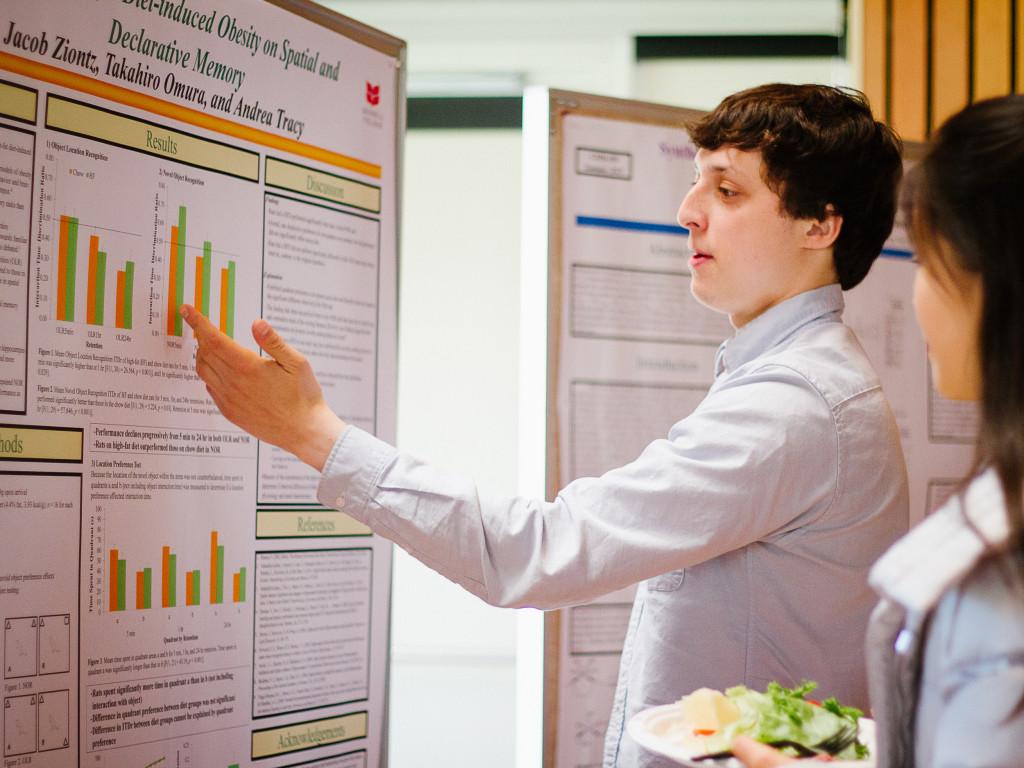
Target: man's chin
{"points": [[714, 305], [707, 300]]}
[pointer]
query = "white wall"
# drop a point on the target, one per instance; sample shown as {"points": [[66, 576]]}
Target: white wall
{"points": [[584, 45], [701, 83], [453, 658]]}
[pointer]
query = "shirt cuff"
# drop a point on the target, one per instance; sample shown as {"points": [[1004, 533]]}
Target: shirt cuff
{"points": [[349, 478]]}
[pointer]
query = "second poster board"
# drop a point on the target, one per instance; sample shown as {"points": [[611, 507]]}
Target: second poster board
{"points": [[629, 351]]}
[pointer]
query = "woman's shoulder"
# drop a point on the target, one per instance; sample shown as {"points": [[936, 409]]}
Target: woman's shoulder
{"points": [[982, 617], [973, 669], [940, 553]]}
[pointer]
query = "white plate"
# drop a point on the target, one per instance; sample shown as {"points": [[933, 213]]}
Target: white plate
{"points": [[647, 728]]}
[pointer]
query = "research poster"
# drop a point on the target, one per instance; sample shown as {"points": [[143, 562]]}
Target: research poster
{"points": [[171, 592], [635, 354]]}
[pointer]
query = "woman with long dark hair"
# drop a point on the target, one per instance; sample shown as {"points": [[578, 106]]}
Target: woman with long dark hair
{"points": [[946, 644]]}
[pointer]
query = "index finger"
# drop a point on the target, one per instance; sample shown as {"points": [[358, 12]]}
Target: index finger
{"points": [[200, 325], [213, 343]]}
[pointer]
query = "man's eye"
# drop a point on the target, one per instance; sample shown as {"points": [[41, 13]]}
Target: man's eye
{"points": [[726, 192]]}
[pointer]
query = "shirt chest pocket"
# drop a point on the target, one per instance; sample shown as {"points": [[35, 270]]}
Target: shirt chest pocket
{"points": [[667, 582]]}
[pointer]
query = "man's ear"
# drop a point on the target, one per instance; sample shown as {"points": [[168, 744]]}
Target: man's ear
{"points": [[822, 233]]}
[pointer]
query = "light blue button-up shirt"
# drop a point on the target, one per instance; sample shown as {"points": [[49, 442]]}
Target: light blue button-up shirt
{"points": [[752, 524]]}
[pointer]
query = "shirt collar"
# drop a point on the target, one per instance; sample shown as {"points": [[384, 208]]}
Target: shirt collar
{"points": [[777, 323]]}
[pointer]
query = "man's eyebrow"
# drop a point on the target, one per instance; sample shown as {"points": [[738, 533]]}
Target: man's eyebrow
{"points": [[715, 168]]}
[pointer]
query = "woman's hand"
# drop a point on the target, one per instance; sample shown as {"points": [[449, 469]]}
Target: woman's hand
{"points": [[754, 754]]}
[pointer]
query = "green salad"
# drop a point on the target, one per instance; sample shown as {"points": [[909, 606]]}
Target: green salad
{"points": [[783, 713]]}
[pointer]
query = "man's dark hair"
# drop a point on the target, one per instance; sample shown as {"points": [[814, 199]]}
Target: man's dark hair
{"points": [[820, 147]]}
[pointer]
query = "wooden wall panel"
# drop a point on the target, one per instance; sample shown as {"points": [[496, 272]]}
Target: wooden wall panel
{"points": [[950, 61], [926, 59], [1019, 52], [992, 47], [875, 62], [909, 80]]}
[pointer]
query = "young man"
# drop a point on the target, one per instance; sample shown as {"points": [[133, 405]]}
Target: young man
{"points": [[753, 524]]}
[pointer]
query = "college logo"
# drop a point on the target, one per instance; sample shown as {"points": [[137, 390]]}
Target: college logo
{"points": [[372, 94]]}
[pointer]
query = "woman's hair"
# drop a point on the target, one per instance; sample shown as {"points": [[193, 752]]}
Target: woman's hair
{"points": [[820, 149], [964, 201]]}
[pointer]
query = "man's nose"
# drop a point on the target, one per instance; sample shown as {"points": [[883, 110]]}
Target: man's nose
{"points": [[690, 216]]}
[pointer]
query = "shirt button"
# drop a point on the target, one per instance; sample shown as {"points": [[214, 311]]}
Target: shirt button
{"points": [[339, 502]]}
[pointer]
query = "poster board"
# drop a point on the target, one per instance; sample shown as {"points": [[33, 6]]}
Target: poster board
{"points": [[630, 352], [171, 592], [938, 434]]}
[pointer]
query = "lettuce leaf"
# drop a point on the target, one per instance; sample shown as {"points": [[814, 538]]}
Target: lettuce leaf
{"points": [[785, 713]]}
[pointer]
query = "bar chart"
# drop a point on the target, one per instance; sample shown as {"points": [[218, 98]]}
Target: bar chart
{"points": [[170, 578], [202, 283], [112, 259], [72, 239]]}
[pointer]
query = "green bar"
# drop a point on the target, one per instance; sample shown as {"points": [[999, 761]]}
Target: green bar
{"points": [[241, 584], [207, 263], [129, 279], [172, 578], [122, 577], [231, 299], [69, 276], [179, 273], [101, 283], [195, 587], [147, 587], [219, 575]]}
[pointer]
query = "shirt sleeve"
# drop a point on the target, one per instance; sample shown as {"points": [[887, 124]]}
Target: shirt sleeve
{"points": [[755, 460]]}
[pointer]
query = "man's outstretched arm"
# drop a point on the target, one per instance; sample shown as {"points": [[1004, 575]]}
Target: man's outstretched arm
{"points": [[692, 492], [277, 399]]}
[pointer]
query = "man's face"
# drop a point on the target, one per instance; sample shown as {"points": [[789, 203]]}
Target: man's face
{"points": [[749, 254]]}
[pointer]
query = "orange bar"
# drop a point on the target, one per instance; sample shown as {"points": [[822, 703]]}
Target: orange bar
{"points": [[951, 69], [172, 310], [140, 590], [90, 308], [993, 48], [213, 567], [875, 61], [223, 301], [165, 582], [112, 579], [62, 268], [236, 587], [188, 588], [908, 69], [119, 309], [199, 284], [1019, 13]]}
